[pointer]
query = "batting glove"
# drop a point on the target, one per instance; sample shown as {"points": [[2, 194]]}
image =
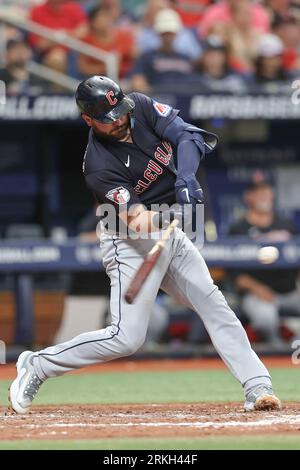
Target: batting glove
{"points": [[188, 190]]}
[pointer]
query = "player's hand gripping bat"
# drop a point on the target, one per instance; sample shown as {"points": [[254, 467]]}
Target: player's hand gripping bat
{"points": [[148, 264]]}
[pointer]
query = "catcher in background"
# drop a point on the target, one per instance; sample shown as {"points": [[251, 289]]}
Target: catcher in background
{"points": [[140, 153]]}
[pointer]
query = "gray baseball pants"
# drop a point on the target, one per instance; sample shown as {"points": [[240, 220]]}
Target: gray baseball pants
{"points": [[181, 272]]}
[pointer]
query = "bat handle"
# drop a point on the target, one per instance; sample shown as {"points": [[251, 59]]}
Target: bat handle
{"points": [[165, 237]]}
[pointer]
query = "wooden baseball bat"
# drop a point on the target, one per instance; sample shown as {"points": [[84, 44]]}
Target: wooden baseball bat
{"points": [[147, 265]]}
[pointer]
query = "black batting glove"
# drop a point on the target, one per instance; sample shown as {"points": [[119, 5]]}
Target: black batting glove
{"points": [[188, 190]]}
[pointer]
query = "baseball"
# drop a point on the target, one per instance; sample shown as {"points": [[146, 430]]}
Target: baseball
{"points": [[268, 254]]}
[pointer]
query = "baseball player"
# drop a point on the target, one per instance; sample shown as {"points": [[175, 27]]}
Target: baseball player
{"points": [[140, 152]]}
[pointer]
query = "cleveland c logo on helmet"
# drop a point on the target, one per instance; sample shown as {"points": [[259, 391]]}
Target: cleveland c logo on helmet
{"points": [[110, 96], [102, 99]]}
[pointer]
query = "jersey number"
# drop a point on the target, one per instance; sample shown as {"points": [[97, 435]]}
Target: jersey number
{"points": [[110, 96]]}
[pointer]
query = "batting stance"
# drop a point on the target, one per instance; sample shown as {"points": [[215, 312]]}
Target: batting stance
{"points": [[140, 152]]}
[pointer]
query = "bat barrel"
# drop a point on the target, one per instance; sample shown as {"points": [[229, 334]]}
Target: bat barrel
{"points": [[148, 264], [141, 276]]}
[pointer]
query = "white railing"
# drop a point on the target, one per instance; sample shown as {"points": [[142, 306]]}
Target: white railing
{"points": [[110, 59], [2, 47], [53, 76]]}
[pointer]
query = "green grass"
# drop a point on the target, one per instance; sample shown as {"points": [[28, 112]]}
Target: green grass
{"points": [[207, 443], [158, 387], [154, 387]]}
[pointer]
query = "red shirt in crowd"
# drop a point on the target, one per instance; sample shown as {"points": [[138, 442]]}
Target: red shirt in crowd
{"points": [[68, 16], [191, 11], [122, 43], [290, 59]]}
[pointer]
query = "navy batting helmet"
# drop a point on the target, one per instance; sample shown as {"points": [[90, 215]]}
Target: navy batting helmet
{"points": [[102, 99]]}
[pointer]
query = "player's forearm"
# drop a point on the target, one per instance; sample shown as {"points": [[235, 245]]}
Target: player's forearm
{"points": [[145, 222], [248, 283], [188, 158], [256, 288]]}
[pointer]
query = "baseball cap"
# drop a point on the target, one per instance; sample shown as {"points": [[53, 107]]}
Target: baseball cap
{"points": [[167, 21], [254, 185], [259, 179], [214, 42], [270, 45]]}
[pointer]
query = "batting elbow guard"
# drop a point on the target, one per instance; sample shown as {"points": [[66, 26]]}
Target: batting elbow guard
{"points": [[209, 139], [192, 138], [179, 131]]}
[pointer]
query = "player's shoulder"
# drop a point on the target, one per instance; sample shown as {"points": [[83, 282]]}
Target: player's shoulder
{"points": [[147, 106], [143, 107], [140, 99]]}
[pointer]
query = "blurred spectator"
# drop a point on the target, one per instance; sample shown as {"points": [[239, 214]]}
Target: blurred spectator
{"points": [[269, 72], [222, 13], [265, 291], [7, 31], [294, 9], [10, 32], [135, 8], [152, 7], [15, 75], [278, 10], [216, 74], [243, 37], [289, 32], [104, 35], [191, 11], [180, 322], [221, 30], [148, 39], [163, 65], [122, 17], [63, 16]]}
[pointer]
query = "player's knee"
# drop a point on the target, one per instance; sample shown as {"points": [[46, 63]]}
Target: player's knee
{"points": [[131, 345], [262, 314], [267, 319]]}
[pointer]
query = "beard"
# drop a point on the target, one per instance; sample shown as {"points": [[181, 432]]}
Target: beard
{"points": [[116, 134], [121, 132]]}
